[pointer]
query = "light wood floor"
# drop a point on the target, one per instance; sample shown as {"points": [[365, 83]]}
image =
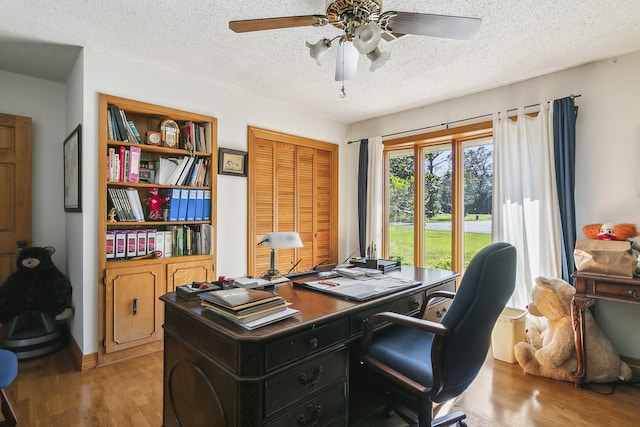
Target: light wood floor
{"points": [[49, 392]]}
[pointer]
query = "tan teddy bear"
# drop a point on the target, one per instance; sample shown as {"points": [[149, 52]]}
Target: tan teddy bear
{"points": [[553, 354]]}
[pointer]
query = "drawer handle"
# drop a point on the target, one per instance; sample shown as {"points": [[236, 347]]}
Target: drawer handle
{"points": [[441, 313], [633, 293], [302, 379], [135, 306], [416, 302], [313, 421], [314, 343]]}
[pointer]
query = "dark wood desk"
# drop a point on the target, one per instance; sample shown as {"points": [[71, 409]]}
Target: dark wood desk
{"points": [[293, 372], [588, 288]]}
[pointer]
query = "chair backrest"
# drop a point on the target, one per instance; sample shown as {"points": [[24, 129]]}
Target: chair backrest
{"points": [[486, 286]]}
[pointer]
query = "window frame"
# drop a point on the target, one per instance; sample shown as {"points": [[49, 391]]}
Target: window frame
{"points": [[455, 138]]}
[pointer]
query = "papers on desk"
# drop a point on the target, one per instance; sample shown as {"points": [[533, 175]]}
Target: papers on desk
{"points": [[360, 289]]}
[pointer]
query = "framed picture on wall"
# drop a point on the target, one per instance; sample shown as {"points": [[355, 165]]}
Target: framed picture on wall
{"points": [[232, 162], [73, 171]]}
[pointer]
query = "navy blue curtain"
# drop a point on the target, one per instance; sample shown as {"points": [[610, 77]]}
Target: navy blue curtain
{"points": [[363, 165], [565, 114]]}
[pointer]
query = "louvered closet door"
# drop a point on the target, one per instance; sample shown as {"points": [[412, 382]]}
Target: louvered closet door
{"points": [[292, 187]]}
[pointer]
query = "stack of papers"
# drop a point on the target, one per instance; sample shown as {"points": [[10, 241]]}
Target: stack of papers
{"points": [[361, 289], [358, 272], [249, 308]]}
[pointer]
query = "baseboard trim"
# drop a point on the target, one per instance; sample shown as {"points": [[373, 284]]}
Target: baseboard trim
{"points": [[82, 362]]}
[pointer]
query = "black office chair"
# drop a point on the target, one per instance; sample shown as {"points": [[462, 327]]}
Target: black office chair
{"points": [[435, 362]]}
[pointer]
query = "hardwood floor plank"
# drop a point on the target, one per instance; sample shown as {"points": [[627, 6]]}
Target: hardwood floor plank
{"points": [[49, 391]]}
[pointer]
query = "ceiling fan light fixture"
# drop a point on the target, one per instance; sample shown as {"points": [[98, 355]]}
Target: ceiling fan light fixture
{"points": [[319, 49], [378, 58], [366, 37]]}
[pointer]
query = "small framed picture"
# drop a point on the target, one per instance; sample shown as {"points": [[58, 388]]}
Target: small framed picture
{"points": [[232, 162], [73, 171]]}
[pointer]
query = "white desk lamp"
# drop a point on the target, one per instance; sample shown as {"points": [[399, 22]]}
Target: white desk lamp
{"points": [[279, 240]]}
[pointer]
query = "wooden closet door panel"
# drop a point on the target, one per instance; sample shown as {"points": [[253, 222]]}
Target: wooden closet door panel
{"points": [[326, 212], [285, 204], [305, 184], [263, 203]]}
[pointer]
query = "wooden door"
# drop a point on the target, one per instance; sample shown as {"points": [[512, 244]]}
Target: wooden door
{"points": [[133, 310], [15, 188], [184, 273]]}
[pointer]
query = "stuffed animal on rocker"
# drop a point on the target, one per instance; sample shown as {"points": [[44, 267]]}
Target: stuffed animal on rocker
{"points": [[551, 352], [37, 285]]}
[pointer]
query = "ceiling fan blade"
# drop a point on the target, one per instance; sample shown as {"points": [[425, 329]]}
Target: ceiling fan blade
{"points": [[347, 61], [424, 24], [248, 25]]}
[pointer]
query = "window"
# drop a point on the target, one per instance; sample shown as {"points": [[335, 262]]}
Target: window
{"points": [[446, 219]]}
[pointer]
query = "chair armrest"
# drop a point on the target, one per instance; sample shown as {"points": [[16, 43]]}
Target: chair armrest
{"points": [[399, 319], [439, 294], [438, 329]]}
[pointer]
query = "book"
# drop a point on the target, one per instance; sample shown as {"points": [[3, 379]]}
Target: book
{"points": [[187, 136], [136, 206], [271, 318], [121, 244], [133, 170], [111, 244], [134, 130], [159, 243], [132, 243], [168, 244], [263, 311], [151, 240], [141, 238], [239, 298]]}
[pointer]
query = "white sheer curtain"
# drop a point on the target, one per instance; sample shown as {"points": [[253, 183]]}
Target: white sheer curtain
{"points": [[374, 194], [525, 205]]}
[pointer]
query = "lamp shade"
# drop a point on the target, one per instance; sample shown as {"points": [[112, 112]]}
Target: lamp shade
{"points": [[286, 239], [378, 58], [319, 49], [366, 37]]}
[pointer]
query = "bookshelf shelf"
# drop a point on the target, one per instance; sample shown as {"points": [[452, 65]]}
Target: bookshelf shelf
{"points": [[125, 282]]}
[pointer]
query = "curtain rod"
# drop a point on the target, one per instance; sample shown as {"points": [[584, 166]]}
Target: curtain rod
{"points": [[572, 96]]}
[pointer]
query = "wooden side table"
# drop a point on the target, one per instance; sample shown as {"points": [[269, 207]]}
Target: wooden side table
{"points": [[590, 287]]}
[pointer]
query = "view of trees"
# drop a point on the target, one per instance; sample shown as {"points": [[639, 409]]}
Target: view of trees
{"points": [[478, 176]]}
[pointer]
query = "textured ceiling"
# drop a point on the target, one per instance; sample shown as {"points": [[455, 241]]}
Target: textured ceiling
{"points": [[517, 40]]}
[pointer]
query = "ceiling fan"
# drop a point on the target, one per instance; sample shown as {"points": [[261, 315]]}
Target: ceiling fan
{"points": [[364, 25]]}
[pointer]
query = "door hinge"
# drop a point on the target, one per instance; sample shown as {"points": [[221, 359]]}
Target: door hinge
{"points": [[104, 280], [104, 343]]}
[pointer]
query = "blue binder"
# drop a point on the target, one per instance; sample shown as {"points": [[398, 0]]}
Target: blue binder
{"points": [[199, 204], [174, 204], [191, 206], [184, 202]]}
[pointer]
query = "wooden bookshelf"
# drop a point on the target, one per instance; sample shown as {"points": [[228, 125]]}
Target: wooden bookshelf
{"points": [[130, 312]]}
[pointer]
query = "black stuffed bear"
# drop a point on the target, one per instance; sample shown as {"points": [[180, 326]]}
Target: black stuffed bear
{"points": [[37, 285]]}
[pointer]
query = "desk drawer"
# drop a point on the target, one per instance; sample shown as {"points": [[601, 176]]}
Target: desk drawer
{"points": [[409, 305], [328, 408], [618, 291], [301, 381], [298, 346]]}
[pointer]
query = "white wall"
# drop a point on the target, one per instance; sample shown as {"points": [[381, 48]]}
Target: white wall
{"points": [[44, 102], [608, 150]]}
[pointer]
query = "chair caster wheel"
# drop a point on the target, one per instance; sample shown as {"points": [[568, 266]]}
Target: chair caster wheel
{"points": [[461, 424], [388, 411]]}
